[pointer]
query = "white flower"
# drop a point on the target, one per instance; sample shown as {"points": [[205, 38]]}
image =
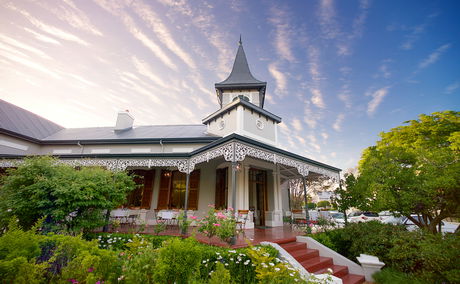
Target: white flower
{"points": [[232, 251], [217, 252], [9, 210], [226, 264], [231, 259], [266, 254], [204, 261], [272, 264], [292, 274], [277, 269], [329, 270]]}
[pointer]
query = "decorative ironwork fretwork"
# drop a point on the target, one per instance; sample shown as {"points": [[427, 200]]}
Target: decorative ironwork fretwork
{"points": [[231, 151]]}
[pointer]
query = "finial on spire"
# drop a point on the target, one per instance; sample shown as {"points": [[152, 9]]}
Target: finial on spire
{"points": [[240, 42]]}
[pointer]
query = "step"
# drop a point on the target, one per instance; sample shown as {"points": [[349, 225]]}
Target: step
{"points": [[284, 241], [353, 279], [291, 247], [304, 254], [337, 270], [317, 263]]}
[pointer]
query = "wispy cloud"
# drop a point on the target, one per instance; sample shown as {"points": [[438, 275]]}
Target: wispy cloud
{"points": [[317, 98], [279, 18], [161, 31], [328, 23], [23, 46], [338, 122], [414, 33], [324, 135], [71, 14], [384, 69], [145, 70], [297, 124], [377, 99], [280, 78], [434, 56], [136, 32], [52, 30], [42, 37], [30, 64], [452, 87]]}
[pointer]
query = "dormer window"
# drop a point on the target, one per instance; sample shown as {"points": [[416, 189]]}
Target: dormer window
{"points": [[243, 97]]}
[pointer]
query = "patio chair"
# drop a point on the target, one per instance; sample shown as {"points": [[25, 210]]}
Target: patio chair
{"points": [[241, 220], [298, 218]]}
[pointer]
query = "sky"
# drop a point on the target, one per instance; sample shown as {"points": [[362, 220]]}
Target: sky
{"points": [[337, 72]]}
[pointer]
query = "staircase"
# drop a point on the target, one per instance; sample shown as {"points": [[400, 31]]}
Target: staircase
{"points": [[316, 264]]}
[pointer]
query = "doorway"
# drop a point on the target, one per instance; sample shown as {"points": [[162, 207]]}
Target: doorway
{"points": [[258, 195]]}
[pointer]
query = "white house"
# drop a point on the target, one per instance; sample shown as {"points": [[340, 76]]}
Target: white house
{"points": [[231, 159]]}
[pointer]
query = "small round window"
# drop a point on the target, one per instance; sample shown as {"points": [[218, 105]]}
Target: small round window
{"points": [[260, 124]]}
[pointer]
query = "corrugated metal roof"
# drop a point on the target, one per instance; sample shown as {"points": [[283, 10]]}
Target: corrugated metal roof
{"points": [[25, 123], [139, 132]]}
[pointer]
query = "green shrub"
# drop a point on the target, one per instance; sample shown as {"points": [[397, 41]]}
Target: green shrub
{"points": [[431, 257], [119, 241], [178, 261], [392, 276], [220, 276]]}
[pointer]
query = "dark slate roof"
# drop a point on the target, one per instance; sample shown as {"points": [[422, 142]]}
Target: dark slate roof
{"points": [[238, 101], [240, 75], [20, 122], [135, 134]]}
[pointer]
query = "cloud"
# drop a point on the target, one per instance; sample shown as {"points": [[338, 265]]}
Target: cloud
{"points": [[48, 28], [328, 24], [280, 78], [338, 122], [145, 70], [30, 64], [434, 56], [136, 32], [297, 124], [42, 37], [23, 46], [324, 135], [452, 87], [72, 16], [317, 98], [311, 117], [283, 33], [377, 98], [161, 31]]}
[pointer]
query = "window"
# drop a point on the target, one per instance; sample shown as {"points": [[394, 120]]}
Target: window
{"points": [[172, 190], [141, 197]]}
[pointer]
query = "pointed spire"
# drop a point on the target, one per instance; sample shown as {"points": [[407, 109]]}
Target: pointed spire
{"points": [[240, 72]]}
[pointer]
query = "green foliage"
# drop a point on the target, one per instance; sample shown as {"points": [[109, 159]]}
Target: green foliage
{"points": [[220, 276], [178, 261], [392, 276], [18, 252], [432, 258], [323, 204], [311, 205], [71, 200], [349, 195], [270, 269], [414, 169], [119, 241]]}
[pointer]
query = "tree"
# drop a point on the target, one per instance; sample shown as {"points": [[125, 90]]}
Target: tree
{"points": [[348, 195], [70, 199], [323, 204], [415, 169]]}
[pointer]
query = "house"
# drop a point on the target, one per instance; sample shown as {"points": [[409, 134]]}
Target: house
{"points": [[231, 159]]}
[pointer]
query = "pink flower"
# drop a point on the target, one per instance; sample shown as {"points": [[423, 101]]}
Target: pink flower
{"points": [[211, 206], [194, 217], [73, 281], [221, 216], [90, 269], [217, 225], [230, 209]]}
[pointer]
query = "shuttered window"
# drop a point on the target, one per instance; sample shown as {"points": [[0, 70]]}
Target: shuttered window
{"points": [[141, 197], [172, 190]]}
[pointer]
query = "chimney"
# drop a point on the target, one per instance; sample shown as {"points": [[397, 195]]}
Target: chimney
{"points": [[124, 121]]}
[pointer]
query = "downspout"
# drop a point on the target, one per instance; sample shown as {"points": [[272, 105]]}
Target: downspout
{"points": [[81, 147]]}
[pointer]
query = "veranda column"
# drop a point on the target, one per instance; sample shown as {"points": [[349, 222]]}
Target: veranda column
{"points": [[234, 171], [304, 180], [187, 182]]}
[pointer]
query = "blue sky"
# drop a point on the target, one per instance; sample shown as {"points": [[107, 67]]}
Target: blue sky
{"points": [[338, 72]]}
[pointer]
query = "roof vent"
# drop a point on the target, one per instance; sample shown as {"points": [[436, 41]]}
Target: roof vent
{"points": [[124, 121]]}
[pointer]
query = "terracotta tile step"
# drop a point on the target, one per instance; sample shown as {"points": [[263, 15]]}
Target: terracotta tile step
{"points": [[337, 270], [352, 279], [317, 263], [291, 247], [304, 254], [285, 240]]}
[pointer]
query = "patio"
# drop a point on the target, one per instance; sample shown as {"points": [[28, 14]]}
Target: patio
{"points": [[250, 236]]}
